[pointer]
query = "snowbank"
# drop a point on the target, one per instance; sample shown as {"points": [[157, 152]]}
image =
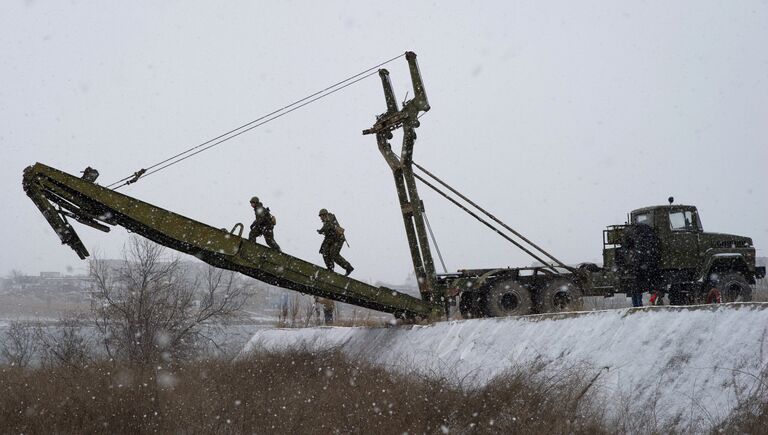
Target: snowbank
{"points": [[686, 363]]}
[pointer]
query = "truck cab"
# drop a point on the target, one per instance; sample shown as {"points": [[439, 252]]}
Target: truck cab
{"points": [[679, 231], [667, 246]]}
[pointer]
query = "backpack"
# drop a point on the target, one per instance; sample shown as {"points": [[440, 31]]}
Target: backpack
{"points": [[337, 228]]}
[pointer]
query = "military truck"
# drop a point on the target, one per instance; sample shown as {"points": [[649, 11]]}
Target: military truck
{"points": [[666, 247], [661, 248], [658, 248]]}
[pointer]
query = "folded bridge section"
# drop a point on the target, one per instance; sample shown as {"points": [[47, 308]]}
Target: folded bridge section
{"points": [[60, 196]]}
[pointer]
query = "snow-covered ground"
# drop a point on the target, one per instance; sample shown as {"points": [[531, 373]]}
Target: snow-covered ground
{"points": [[686, 364]]}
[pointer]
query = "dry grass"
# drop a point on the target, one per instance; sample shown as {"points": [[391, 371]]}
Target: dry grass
{"points": [[297, 392], [319, 392], [760, 291], [751, 414]]}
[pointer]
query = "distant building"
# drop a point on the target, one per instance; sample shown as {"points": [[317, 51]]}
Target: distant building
{"points": [[48, 275], [48, 282]]}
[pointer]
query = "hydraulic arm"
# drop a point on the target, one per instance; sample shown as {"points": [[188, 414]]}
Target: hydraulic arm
{"points": [[411, 205], [61, 196]]}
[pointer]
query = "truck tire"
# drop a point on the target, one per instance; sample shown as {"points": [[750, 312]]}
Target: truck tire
{"points": [[560, 295], [733, 287], [508, 298]]}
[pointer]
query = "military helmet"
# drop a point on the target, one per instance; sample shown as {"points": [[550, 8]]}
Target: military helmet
{"points": [[254, 199], [323, 211]]}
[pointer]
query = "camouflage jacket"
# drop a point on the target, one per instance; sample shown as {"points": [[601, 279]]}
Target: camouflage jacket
{"points": [[264, 218], [331, 228]]}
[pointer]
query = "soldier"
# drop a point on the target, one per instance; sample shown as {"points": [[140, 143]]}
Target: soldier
{"points": [[328, 307], [333, 241], [263, 225]]}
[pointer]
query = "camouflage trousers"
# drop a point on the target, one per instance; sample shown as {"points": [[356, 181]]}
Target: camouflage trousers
{"points": [[331, 250], [268, 234]]}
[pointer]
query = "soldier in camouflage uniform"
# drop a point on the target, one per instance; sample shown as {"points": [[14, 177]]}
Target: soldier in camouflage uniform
{"points": [[328, 307], [263, 225], [333, 241]]}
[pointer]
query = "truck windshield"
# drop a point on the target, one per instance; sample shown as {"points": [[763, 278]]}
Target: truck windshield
{"points": [[683, 220], [644, 218]]}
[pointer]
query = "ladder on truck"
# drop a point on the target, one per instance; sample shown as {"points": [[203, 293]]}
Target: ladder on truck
{"points": [[61, 196]]}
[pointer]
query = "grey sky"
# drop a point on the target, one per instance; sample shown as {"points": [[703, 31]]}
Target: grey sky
{"points": [[559, 117]]}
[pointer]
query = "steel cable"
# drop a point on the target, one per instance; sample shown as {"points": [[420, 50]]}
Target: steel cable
{"points": [[250, 125]]}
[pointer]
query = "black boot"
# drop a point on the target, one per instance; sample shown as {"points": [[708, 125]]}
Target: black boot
{"points": [[349, 270]]}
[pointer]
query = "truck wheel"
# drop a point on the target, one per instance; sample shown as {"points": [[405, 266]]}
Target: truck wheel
{"points": [[508, 298], [734, 287], [561, 295]]}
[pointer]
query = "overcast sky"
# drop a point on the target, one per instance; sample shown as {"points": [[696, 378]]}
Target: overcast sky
{"points": [[559, 117]]}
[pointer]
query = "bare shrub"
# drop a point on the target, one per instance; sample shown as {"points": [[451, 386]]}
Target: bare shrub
{"points": [[760, 290], [751, 414], [66, 344], [151, 309], [307, 311], [18, 344], [282, 316], [296, 311], [634, 419], [294, 308]]}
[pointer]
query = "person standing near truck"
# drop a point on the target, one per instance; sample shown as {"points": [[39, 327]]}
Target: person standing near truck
{"points": [[333, 242], [637, 297], [713, 296], [263, 224]]}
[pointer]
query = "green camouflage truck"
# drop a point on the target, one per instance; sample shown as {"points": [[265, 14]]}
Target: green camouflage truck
{"points": [[661, 249], [666, 248]]}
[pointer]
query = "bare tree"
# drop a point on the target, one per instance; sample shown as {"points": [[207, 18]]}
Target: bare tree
{"points": [[18, 345], [296, 311], [15, 275], [66, 343], [223, 292], [308, 311], [294, 308], [151, 309], [282, 317]]}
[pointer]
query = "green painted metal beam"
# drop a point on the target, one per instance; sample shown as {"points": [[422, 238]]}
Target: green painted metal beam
{"points": [[92, 204]]}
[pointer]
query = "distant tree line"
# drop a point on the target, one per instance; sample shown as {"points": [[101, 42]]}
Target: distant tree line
{"points": [[148, 309]]}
